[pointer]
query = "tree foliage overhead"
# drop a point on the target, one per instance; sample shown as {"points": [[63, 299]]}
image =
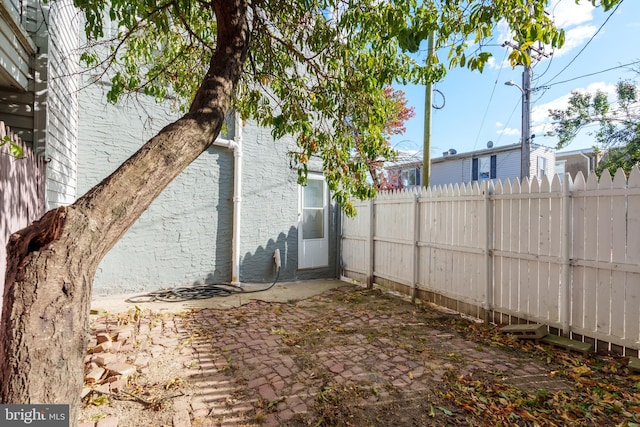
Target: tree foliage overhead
{"points": [[317, 69], [618, 132]]}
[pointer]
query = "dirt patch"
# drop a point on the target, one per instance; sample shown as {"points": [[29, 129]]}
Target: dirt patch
{"points": [[350, 357]]}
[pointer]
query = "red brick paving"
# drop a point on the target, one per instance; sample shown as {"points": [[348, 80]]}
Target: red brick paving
{"points": [[243, 366]]}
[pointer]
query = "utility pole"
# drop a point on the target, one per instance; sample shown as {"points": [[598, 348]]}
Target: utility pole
{"points": [[525, 143], [428, 102], [525, 132], [525, 167]]}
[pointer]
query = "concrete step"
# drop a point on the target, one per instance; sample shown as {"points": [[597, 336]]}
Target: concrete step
{"points": [[634, 364], [532, 331], [568, 344]]}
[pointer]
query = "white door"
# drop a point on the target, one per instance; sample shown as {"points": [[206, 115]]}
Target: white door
{"points": [[313, 224]]}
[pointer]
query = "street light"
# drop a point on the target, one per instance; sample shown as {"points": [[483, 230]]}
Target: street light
{"points": [[512, 83], [526, 117]]}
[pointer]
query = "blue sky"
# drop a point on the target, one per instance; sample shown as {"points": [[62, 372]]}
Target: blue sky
{"points": [[479, 107]]}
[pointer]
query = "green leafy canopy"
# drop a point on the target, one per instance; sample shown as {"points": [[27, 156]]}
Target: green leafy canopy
{"points": [[15, 150], [316, 70], [617, 137]]}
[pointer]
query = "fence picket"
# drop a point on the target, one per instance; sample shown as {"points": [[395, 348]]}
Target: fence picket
{"points": [[515, 236], [632, 291], [618, 255], [603, 246], [590, 253], [554, 222], [21, 191], [533, 248], [544, 221], [498, 237], [579, 216]]}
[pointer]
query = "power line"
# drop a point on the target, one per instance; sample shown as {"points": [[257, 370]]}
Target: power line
{"points": [[588, 75], [546, 70], [587, 44], [507, 122], [486, 110]]}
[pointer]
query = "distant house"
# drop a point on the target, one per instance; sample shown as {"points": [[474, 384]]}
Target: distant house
{"points": [[453, 167], [406, 170], [490, 163], [572, 162]]}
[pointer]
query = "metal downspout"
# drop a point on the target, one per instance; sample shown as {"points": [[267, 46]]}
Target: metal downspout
{"points": [[236, 146], [588, 163]]}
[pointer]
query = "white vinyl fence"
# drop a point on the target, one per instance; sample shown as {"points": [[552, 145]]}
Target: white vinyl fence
{"points": [[563, 254]]}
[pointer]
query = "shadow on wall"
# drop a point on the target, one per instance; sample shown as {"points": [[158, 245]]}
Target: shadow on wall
{"points": [[259, 266]]}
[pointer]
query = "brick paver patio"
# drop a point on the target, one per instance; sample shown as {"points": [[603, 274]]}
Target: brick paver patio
{"points": [[276, 364]]}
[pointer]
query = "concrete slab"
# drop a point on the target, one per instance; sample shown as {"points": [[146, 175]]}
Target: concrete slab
{"points": [[281, 292]]}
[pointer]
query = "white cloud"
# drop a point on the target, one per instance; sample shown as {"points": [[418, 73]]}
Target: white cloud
{"points": [[494, 65], [575, 37], [508, 132], [574, 18], [566, 13], [503, 33]]}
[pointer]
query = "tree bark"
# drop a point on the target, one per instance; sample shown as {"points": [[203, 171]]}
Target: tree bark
{"points": [[51, 264]]}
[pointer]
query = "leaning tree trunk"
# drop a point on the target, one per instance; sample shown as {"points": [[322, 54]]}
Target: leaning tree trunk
{"points": [[51, 264]]}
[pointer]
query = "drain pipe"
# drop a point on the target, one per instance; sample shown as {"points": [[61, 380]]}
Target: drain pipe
{"points": [[588, 163], [236, 146]]}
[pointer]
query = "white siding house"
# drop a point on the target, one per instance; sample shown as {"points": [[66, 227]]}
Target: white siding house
{"points": [[491, 163]]}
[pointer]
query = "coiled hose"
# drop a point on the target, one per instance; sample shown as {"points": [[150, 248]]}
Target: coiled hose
{"points": [[188, 293]]}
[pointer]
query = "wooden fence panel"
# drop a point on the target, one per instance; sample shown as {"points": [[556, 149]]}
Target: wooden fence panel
{"points": [[499, 277], [618, 254], [476, 273], [21, 192], [632, 257], [355, 240], [544, 240], [590, 254], [554, 222], [579, 241], [394, 236], [514, 247], [603, 245], [530, 205], [425, 215]]}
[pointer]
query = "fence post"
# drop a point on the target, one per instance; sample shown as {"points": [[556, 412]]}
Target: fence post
{"points": [[488, 251], [565, 303], [416, 248], [372, 228]]}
